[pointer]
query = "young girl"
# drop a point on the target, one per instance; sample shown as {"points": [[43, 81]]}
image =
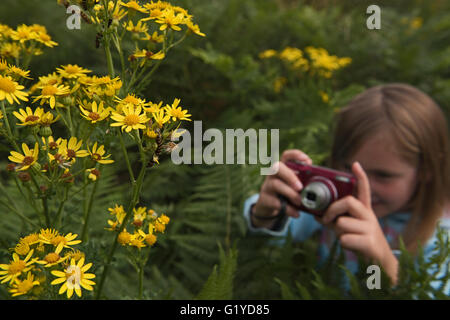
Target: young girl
{"points": [[394, 139]]}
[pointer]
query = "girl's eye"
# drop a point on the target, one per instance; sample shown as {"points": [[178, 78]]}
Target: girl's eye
{"points": [[383, 176]]}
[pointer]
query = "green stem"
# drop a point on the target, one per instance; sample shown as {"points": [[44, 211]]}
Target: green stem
{"points": [[141, 280], [109, 61], [61, 206], [44, 199], [8, 127], [69, 113], [119, 50], [87, 213], [127, 160], [63, 118], [32, 202]]}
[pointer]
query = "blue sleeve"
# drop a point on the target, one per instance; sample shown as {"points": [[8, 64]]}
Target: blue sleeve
{"points": [[430, 250], [300, 228]]}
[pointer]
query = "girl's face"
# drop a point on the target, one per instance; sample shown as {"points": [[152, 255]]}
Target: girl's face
{"points": [[392, 180]]}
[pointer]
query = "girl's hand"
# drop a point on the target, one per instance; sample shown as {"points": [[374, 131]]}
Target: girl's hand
{"points": [[357, 227], [285, 183]]}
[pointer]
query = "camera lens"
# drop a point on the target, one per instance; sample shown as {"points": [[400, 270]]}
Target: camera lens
{"points": [[316, 196], [311, 196]]}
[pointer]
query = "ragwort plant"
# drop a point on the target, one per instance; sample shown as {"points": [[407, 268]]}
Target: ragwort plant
{"points": [[91, 110]]}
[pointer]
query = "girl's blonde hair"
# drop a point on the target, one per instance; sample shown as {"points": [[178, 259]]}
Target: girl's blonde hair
{"points": [[420, 131]]}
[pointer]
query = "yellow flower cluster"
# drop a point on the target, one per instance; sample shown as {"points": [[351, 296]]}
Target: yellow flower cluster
{"points": [[24, 41], [133, 113], [163, 13], [137, 19], [315, 61], [70, 84], [39, 256], [143, 220]]}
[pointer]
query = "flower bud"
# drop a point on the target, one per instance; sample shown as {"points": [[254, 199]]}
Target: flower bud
{"points": [[36, 166], [45, 131], [24, 176], [11, 167]]}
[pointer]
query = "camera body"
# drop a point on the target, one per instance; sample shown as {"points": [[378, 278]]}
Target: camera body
{"points": [[321, 186]]}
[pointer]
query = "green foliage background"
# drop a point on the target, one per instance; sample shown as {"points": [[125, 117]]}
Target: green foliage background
{"points": [[222, 82]]}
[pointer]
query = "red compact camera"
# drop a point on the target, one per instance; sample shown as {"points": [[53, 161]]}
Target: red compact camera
{"points": [[321, 186]]}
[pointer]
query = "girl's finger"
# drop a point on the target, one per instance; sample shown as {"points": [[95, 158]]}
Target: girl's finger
{"points": [[287, 176], [295, 154], [347, 205], [349, 225], [352, 241], [363, 184], [277, 186]]}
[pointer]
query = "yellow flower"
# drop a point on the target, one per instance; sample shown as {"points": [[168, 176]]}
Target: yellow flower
{"points": [[324, 96], [74, 254], [161, 118], [16, 267], [279, 83], [93, 174], [120, 215], [155, 37], [416, 23], [49, 93], [133, 5], [140, 27], [97, 113], [27, 117], [11, 90], [21, 287], [53, 145], [132, 119], [168, 19], [137, 241], [176, 112], [47, 119], [117, 210], [159, 226], [66, 241], [18, 72], [139, 216], [44, 38], [72, 71], [324, 62], [50, 79], [47, 235], [51, 259], [3, 65], [23, 33], [74, 278], [28, 158], [149, 238], [148, 55], [295, 57], [164, 219], [22, 248], [153, 107], [97, 154], [151, 133], [10, 50], [130, 99], [194, 28], [124, 237], [71, 149], [267, 54]]}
